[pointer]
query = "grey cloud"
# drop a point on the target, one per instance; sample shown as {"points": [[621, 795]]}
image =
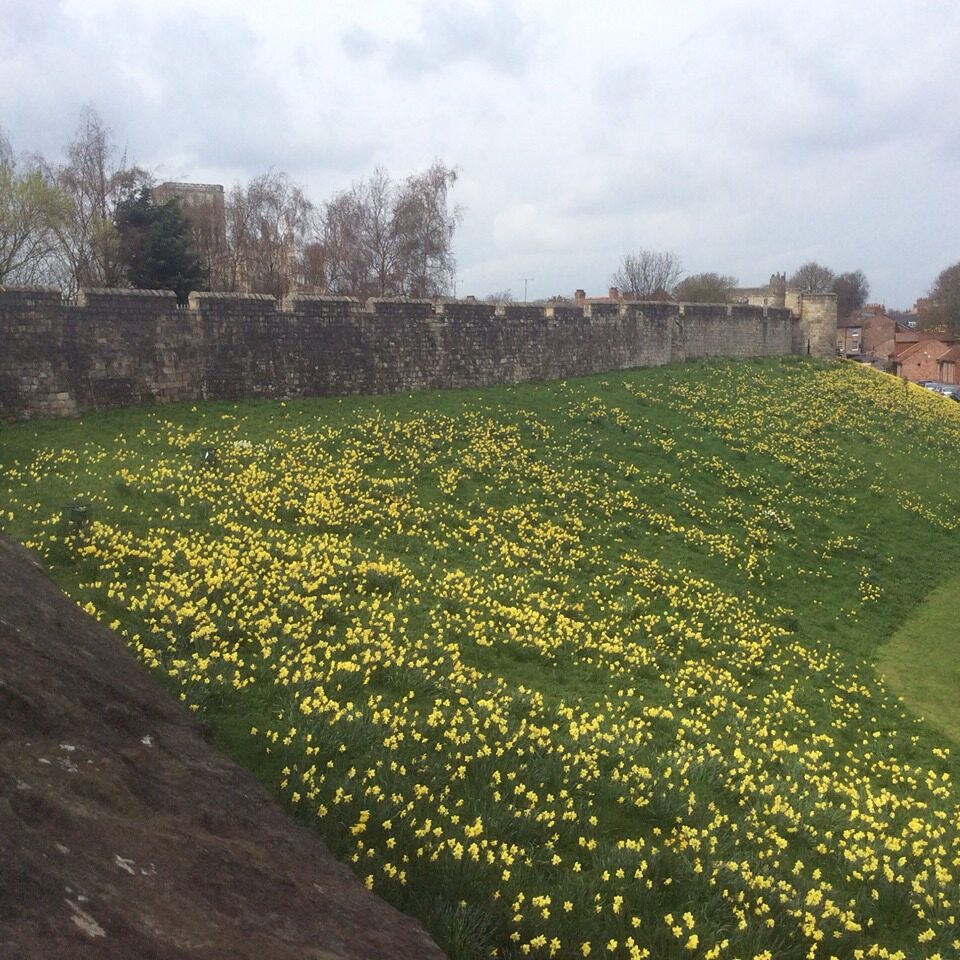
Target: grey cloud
{"points": [[745, 136], [27, 21], [216, 100], [650, 182], [179, 98], [621, 89], [448, 35], [835, 97], [226, 109], [360, 43]]}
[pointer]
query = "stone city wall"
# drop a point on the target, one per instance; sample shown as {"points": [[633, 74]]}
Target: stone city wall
{"points": [[127, 347]]}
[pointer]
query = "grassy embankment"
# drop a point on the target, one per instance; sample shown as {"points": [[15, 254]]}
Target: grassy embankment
{"points": [[573, 669], [922, 661]]}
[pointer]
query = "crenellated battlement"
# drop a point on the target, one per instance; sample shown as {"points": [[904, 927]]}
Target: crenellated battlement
{"points": [[122, 347], [122, 298]]}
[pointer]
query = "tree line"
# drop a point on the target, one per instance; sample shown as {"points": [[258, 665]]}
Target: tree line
{"points": [[95, 219], [649, 273], [940, 312]]}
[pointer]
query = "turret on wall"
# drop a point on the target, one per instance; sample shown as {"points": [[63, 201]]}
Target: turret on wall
{"points": [[778, 290], [815, 327], [817, 330]]}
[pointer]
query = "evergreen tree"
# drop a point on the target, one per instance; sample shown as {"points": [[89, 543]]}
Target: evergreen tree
{"points": [[155, 246]]}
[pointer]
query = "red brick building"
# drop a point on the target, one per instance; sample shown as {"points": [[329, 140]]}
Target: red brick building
{"points": [[949, 365], [868, 335], [917, 355]]}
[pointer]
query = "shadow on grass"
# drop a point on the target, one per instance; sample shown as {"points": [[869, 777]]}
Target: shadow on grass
{"points": [[921, 663]]}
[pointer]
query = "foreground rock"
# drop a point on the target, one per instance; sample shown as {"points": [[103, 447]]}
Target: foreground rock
{"points": [[124, 834]]}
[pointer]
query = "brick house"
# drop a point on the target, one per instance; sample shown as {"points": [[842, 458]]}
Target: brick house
{"points": [[869, 335], [917, 355], [949, 366]]}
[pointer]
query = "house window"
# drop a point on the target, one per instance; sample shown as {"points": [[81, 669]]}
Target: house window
{"points": [[854, 339]]}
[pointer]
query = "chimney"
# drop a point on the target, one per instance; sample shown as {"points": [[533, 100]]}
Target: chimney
{"points": [[614, 293], [579, 295]]}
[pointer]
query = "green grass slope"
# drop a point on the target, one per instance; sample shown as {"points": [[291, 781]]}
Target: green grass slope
{"points": [[573, 669], [922, 661]]}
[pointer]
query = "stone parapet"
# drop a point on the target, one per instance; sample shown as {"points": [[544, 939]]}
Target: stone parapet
{"points": [[126, 347]]}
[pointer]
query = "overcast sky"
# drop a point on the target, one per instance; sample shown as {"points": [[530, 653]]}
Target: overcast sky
{"points": [[748, 137]]}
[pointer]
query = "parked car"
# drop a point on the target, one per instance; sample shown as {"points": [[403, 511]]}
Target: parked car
{"points": [[944, 389]]}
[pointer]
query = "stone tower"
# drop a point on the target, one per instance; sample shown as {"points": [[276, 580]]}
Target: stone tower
{"points": [[816, 333], [778, 289]]}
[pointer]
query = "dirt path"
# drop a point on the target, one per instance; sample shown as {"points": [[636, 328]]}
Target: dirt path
{"points": [[124, 834]]}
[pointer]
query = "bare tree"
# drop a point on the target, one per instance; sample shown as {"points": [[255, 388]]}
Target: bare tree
{"points": [[499, 296], [267, 225], [32, 210], [207, 222], [812, 278], [424, 228], [705, 288], [852, 290], [372, 205], [338, 256], [97, 178], [643, 273], [380, 238], [313, 268], [943, 311]]}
